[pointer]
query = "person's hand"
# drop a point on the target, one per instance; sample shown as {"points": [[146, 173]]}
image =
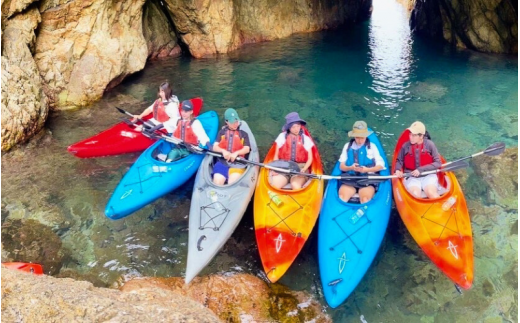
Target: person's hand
{"points": [[399, 174], [354, 166], [303, 170], [233, 156], [416, 173], [226, 154], [361, 169], [134, 119]]}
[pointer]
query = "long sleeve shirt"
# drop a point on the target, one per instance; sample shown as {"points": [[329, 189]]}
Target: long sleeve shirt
{"points": [[429, 146]]}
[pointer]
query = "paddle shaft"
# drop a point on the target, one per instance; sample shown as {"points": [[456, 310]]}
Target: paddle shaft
{"points": [[495, 149]]}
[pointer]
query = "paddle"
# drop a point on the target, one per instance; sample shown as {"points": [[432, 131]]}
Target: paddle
{"points": [[128, 122], [495, 149], [455, 165]]}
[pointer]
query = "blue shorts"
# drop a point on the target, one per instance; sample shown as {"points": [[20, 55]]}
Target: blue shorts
{"points": [[220, 168]]}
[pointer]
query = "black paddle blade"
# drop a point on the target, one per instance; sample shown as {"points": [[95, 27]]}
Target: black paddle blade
{"points": [[495, 149], [290, 165], [124, 112]]}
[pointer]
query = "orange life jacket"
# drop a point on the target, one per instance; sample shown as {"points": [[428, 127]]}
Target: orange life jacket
{"points": [[159, 111], [293, 149], [231, 141], [184, 131]]}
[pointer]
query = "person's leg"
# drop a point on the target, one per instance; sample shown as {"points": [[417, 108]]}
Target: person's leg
{"points": [[297, 182], [413, 185], [220, 173], [366, 193], [235, 174], [430, 184], [346, 192], [279, 180], [177, 153]]}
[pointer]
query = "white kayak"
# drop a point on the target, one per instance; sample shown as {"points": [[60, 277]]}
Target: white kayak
{"points": [[216, 210]]}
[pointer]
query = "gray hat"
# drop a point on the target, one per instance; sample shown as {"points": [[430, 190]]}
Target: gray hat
{"points": [[360, 129], [291, 118], [186, 105]]}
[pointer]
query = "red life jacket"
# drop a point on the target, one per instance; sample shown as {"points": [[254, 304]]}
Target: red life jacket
{"points": [[293, 149], [159, 111], [425, 157], [231, 141], [184, 131]]}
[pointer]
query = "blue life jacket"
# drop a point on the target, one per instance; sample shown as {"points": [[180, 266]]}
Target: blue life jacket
{"points": [[359, 156]]}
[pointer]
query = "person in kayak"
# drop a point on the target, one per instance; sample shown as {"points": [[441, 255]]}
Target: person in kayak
{"points": [[293, 145], [419, 155], [359, 157], [189, 130], [231, 142], [165, 110]]}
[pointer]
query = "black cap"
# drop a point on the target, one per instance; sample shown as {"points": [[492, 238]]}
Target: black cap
{"points": [[186, 105]]}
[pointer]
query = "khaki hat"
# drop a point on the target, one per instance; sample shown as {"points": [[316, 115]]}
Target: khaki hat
{"points": [[360, 129], [417, 128]]}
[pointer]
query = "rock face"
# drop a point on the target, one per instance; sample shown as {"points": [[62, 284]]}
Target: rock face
{"points": [[31, 298], [239, 298], [212, 27], [158, 32], [24, 104], [86, 47], [487, 26]]}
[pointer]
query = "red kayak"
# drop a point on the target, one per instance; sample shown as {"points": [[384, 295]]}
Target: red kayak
{"points": [[120, 139], [24, 266]]}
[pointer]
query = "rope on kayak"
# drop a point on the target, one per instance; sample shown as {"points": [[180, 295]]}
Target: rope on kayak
{"points": [[444, 226], [204, 210], [141, 181], [349, 236], [282, 220]]}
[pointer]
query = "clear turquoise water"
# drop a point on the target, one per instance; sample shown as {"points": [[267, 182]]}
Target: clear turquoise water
{"points": [[375, 72]]}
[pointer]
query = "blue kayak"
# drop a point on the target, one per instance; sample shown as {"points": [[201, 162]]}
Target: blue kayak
{"points": [[346, 250], [149, 178]]}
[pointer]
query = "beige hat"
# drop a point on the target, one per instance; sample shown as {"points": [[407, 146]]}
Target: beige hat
{"points": [[417, 128], [360, 130]]}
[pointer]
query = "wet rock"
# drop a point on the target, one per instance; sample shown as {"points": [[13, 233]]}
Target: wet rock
{"points": [[61, 300], [500, 175], [209, 28], [24, 104], [30, 241], [85, 47], [157, 31], [487, 26], [240, 298]]}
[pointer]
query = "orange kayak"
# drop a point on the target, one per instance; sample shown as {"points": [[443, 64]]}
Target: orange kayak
{"points": [[281, 230], [24, 266], [444, 235]]}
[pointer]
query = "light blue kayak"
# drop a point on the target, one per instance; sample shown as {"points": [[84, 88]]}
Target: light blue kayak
{"points": [[149, 178], [346, 250]]}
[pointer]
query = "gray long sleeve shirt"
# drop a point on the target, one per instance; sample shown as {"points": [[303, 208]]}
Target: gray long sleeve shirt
{"points": [[429, 146]]}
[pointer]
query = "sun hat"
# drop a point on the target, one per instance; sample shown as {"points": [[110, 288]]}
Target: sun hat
{"points": [[417, 128], [231, 115], [187, 105], [359, 129], [291, 118]]}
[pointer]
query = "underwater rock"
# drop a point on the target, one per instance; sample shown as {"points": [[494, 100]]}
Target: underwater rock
{"points": [[239, 298], [31, 298], [500, 174], [31, 241]]}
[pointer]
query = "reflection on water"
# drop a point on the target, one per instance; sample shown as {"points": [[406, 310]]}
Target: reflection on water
{"points": [[391, 56], [376, 72]]}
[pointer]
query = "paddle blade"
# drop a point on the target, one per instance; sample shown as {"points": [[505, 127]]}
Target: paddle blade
{"points": [[289, 165], [495, 149], [124, 112]]}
